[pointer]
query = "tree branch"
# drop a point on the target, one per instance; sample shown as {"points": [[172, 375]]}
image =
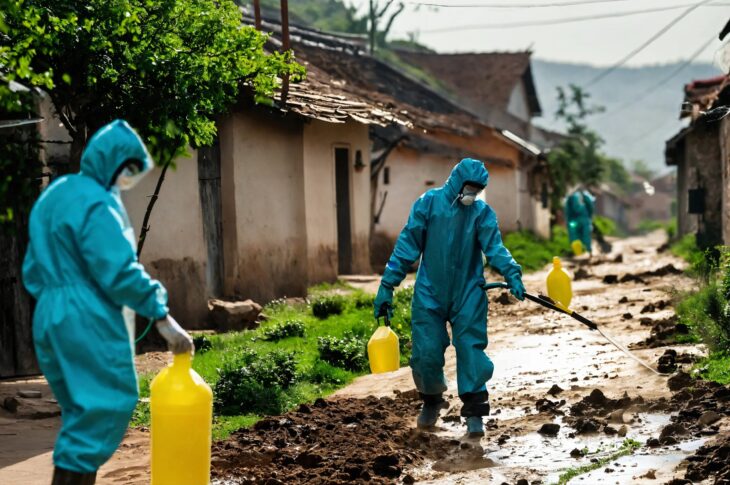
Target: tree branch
{"points": [[379, 212], [377, 164], [388, 26], [385, 8], [150, 206]]}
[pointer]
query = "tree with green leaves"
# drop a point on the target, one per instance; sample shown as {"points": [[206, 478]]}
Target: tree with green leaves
{"points": [[578, 159], [169, 67]]}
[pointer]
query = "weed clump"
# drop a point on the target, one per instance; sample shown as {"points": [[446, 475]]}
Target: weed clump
{"points": [[533, 252], [289, 328], [347, 352], [202, 344], [325, 306], [324, 373], [253, 383], [363, 301]]}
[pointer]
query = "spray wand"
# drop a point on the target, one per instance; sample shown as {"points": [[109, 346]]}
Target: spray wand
{"points": [[548, 302]]}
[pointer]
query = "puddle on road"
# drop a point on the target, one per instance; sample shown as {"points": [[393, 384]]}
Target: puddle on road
{"points": [[628, 469], [536, 455]]}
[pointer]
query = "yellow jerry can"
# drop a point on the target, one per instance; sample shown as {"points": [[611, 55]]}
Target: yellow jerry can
{"points": [[577, 247], [181, 406], [558, 282], [383, 350]]}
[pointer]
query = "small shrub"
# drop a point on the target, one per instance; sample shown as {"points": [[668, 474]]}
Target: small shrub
{"points": [[202, 344], [327, 374], [702, 263], [363, 301], [254, 383], [347, 352], [671, 229], [289, 328], [533, 252], [707, 311], [324, 306]]}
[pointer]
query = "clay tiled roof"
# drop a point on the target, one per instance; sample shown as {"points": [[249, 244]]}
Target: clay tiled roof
{"points": [[362, 77], [484, 78], [704, 92]]}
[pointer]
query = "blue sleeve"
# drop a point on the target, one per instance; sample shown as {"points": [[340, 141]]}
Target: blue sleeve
{"points": [[410, 243], [490, 240], [111, 259], [31, 274]]}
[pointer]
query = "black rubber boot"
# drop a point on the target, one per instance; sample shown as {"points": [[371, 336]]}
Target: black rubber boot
{"points": [[66, 477], [432, 406], [476, 405]]}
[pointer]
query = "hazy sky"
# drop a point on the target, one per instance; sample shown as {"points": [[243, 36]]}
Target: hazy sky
{"points": [[599, 42]]}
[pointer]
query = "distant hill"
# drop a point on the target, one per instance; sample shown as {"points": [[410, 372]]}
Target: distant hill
{"points": [[637, 131]]}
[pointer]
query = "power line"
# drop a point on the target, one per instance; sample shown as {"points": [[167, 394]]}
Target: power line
{"points": [[565, 20], [646, 44], [664, 81], [630, 142], [516, 5]]}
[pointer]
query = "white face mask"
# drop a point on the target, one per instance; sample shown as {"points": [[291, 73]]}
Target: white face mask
{"points": [[467, 199], [129, 177], [468, 195]]}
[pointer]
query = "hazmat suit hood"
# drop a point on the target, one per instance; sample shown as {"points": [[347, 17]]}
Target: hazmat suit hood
{"points": [[109, 148], [466, 171]]}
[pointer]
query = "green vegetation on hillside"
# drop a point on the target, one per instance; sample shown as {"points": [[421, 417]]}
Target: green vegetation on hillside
{"points": [[327, 15]]}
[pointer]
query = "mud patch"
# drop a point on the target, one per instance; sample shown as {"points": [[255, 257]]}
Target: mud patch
{"points": [[712, 460], [663, 333], [344, 441], [596, 413], [701, 405]]}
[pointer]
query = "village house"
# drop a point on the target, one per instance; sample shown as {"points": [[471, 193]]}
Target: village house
{"points": [[496, 99], [280, 203], [701, 153], [652, 200], [410, 159]]}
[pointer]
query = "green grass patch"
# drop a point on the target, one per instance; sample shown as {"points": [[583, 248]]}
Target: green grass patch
{"points": [[627, 447], [141, 414], [280, 365], [702, 264], [715, 367], [223, 426], [533, 252]]}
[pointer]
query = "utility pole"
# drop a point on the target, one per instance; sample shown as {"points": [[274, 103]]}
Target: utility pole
{"points": [[286, 46], [257, 13]]}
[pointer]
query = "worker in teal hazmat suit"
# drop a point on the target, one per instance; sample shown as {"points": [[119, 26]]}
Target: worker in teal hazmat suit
{"points": [[81, 267], [450, 230], [579, 207]]}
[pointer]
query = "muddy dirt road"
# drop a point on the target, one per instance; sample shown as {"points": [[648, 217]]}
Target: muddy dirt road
{"points": [[537, 430], [561, 397]]}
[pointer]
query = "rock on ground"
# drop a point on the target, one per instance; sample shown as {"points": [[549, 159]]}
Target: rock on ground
{"points": [[234, 315]]}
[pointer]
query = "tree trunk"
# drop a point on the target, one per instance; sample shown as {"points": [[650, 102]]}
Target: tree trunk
{"points": [[150, 206], [78, 143]]}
